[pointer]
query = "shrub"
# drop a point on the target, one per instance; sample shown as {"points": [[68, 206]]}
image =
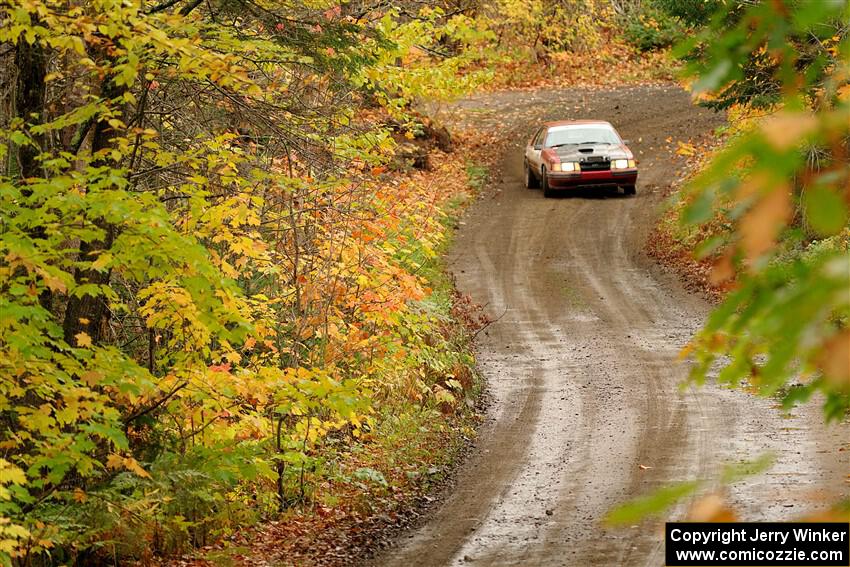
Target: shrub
{"points": [[650, 28], [690, 12]]}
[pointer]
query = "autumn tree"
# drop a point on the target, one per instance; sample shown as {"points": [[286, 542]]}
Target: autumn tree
{"points": [[203, 275]]}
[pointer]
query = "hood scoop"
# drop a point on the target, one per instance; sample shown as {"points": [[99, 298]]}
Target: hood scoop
{"points": [[586, 150]]}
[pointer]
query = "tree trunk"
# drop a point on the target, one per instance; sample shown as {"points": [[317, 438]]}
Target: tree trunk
{"points": [[30, 94], [31, 62], [90, 314]]}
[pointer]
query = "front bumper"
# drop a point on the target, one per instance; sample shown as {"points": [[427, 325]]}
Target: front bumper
{"points": [[592, 178]]}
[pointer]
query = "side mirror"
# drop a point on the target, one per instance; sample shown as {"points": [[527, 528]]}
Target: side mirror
{"points": [[538, 147], [626, 142]]}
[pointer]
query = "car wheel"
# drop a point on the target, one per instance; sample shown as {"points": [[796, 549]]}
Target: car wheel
{"points": [[629, 190], [544, 181], [531, 182]]}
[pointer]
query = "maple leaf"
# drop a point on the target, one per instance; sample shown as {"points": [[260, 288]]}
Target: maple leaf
{"points": [[83, 340], [114, 461], [133, 465]]}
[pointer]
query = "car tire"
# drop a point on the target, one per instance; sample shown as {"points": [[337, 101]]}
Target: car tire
{"points": [[531, 182], [544, 182], [629, 190]]}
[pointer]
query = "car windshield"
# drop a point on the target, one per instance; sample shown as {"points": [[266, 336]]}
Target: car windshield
{"points": [[584, 134]]}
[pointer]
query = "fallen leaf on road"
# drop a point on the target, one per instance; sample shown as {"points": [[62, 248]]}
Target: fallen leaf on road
{"points": [[686, 149]]}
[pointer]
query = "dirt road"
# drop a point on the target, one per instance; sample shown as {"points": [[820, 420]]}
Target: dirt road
{"points": [[582, 367]]}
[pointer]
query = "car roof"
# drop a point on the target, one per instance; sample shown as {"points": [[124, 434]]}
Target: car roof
{"points": [[575, 123]]}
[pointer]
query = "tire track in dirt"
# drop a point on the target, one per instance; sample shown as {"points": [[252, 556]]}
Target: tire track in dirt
{"points": [[581, 366]]}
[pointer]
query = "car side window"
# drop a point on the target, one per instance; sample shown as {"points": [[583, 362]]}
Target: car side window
{"points": [[538, 139]]}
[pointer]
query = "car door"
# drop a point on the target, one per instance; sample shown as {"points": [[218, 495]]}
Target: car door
{"points": [[532, 152]]}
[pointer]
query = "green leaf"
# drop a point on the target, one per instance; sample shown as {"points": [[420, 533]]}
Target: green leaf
{"points": [[370, 475], [738, 471], [714, 78], [701, 209], [826, 211], [19, 138], [653, 504]]}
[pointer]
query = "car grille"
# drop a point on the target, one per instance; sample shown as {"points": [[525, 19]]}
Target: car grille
{"points": [[595, 164]]}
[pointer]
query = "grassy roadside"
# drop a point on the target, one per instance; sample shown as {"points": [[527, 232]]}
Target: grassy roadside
{"points": [[674, 242], [671, 243]]}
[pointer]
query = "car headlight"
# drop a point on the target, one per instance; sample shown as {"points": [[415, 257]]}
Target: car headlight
{"points": [[565, 167], [623, 164]]}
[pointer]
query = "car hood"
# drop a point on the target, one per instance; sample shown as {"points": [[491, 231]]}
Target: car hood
{"points": [[581, 153]]}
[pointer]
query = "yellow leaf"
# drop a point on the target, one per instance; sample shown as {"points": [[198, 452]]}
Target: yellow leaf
{"points": [[52, 282], [10, 473], [133, 465], [114, 461], [686, 149], [91, 377], [102, 261], [83, 340]]}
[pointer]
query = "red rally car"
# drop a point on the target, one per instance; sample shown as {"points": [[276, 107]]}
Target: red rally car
{"points": [[579, 153]]}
